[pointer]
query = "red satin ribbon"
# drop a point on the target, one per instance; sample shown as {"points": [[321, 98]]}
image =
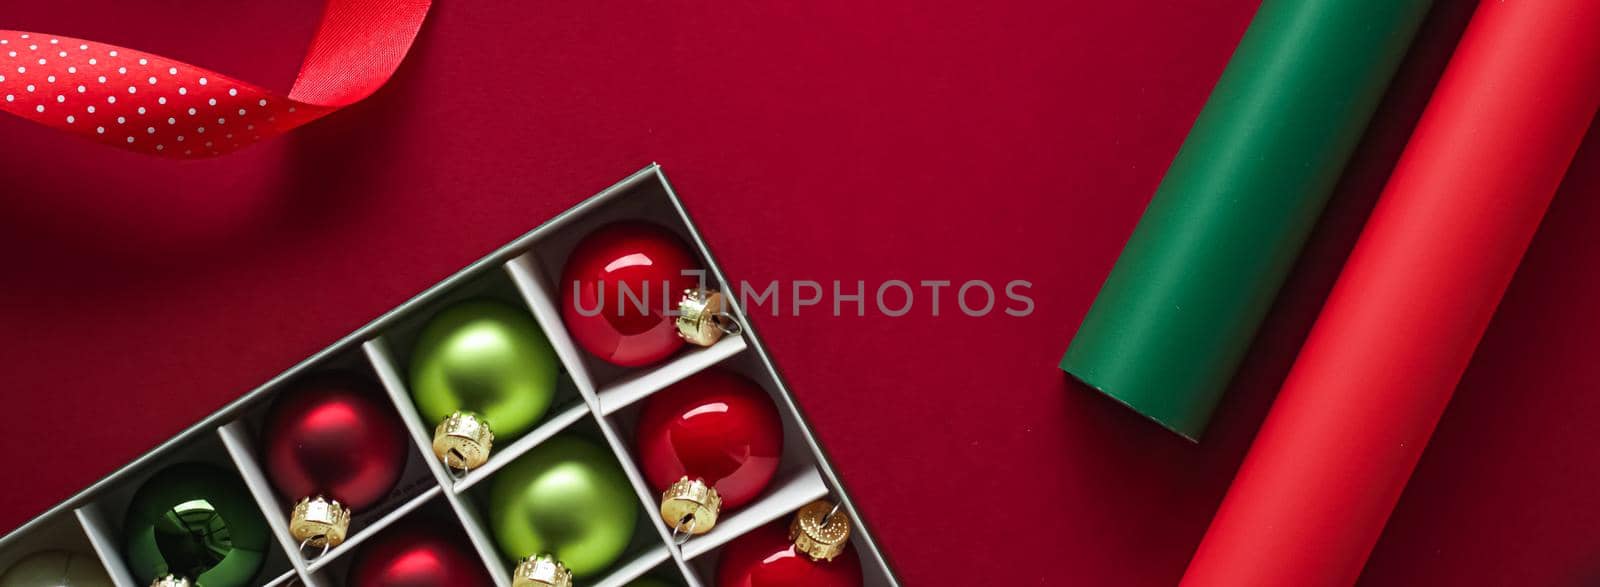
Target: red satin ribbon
{"points": [[152, 104]]}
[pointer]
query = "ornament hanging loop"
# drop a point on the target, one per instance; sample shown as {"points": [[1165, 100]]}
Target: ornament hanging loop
{"points": [[681, 535], [311, 541], [831, 513], [730, 326], [456, 465]]}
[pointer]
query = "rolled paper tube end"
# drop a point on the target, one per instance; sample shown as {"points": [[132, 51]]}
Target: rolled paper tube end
{"points": [[1180, 417]]}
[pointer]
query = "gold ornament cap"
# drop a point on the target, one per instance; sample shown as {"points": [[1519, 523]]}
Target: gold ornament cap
{"points": [[463, 441], [171, 581], [541, 571], [319, 521], [820, 531], [703, 318], [690, 506]]}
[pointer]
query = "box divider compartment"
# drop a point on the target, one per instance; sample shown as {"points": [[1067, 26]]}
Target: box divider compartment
{"points": [[610, 394], [705, 561], [536, 290], [372, 529], [241, 447], [286, 579], [796, 482], [58, 530], [382, 358], [479, 535], [106, 542], [426, 514], [544, 300], [632, 388], [551, 426], [790, 490], [540, 300], [875, 566], [622, 574], [647, 497]]}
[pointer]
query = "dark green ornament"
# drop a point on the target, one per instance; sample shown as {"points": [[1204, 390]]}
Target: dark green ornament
{"points": [[197, 521]]}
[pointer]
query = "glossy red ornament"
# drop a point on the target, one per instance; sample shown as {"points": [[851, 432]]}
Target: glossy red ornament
{"points": [[766, 557], [415, 555], [336, 438], [605, 278], [716, 426]]}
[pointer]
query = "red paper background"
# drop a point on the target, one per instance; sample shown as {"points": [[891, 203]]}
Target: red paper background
{"points": [[819, 140]]}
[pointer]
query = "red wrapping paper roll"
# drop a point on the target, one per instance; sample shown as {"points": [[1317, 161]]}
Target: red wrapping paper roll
{"points": [[1400, 326]]}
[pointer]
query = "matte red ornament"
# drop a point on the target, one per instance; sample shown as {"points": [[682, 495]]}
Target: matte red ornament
{"points": [[766, 557], [334, 437], [618, 288], [415, 555], [715, 426]]}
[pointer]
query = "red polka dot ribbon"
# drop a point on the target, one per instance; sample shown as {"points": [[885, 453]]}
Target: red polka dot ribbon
{"points": [[151, 104]]}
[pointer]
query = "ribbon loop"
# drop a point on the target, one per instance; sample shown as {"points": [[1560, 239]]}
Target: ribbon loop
{"points": [[152, 104]]}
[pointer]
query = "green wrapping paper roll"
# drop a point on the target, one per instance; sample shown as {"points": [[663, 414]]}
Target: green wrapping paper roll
{"points": [[1184, 300]]}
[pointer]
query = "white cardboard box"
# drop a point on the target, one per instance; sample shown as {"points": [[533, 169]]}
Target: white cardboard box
{"points": [[594, 398]]}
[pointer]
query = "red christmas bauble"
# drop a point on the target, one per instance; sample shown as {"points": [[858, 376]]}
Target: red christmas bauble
{"points": [[334, 437], [715, 426], [607, 277], [767, 558], [415, 555]]}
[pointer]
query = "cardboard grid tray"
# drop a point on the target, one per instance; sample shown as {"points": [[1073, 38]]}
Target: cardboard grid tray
{"points": [[594, 399]]}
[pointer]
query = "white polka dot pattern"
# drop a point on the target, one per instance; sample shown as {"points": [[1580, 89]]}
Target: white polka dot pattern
{"points": [[148, 103], [63, 91]]}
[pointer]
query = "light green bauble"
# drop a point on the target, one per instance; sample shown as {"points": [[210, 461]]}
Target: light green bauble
{"points": [[55, 568], [567, 498], [486, 358]]}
